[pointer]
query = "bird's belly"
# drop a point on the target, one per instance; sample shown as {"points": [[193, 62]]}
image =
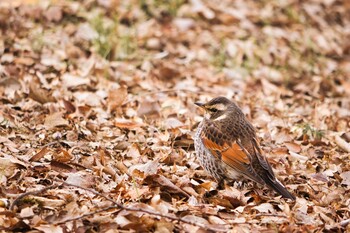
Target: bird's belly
{"points": [[207, 160], [212, 164]]}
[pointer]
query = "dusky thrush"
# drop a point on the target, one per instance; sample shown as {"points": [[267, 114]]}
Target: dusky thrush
{"points": [[227, 147]]}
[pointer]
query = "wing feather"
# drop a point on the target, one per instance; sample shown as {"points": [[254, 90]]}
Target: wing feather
{"points": [[242, 154], [229, 151]]}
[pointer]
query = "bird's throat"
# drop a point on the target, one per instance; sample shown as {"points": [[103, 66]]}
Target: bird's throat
{"points": [[220, 118]]}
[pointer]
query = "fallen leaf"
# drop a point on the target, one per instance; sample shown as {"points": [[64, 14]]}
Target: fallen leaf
{"points": [[70, 80], [53, 14], [172, 123], [70, 108], [147, 169], [320, 177], [27, 61], [346, 178], [298, 157], [40, 94], [116, 97], [149, 109], [39, 155], [264, 208], [126, 124], [61, 167], [54, 120], [342, 143], [27, 212], [49, 228], [166, 184], [292, 146], [81, 178], [7, 167]]}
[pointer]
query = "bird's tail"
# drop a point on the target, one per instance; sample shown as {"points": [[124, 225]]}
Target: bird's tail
{"points": [[279, 187]]}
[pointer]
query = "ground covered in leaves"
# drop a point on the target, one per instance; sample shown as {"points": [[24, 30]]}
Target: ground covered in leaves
{"points": [[97, 113]]}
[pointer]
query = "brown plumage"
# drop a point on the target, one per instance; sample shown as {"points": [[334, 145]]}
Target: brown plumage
{"points": [[227, 147]]}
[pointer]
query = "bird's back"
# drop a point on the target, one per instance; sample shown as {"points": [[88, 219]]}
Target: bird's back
{"points": [[227, 146]]}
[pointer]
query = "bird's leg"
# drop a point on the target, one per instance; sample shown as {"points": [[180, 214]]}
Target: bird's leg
{"points": [[221, 184], [240, 184], [210, 194]]}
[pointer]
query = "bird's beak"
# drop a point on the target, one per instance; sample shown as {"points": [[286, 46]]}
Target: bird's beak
{"points": [[199, 104]]}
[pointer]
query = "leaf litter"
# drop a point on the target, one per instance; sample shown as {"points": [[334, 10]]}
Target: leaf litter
{"points": [[97, 113]]}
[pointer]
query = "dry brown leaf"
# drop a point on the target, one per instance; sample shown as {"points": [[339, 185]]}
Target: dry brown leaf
{"points": [[11, 146], [164, 227], [9, 87], [149, 109], [166, 184], [70, 108], [346, 178], [342, 143], [126, 124], [298, 157], [216, 220], [284, 62], [7, 167], [282, 137], [292, 146], [81, 178], [320, 177], [40, 154], [88, 98], [265, 208], [54, 120], [49, 228], [40, 94], [116, 98], [61, 167], [70, 80], [27, 61], [166, 72], [144, 170], [172, 123], [53, 14], [122, 220], [198, 6], [219, 201], [62, 156]]}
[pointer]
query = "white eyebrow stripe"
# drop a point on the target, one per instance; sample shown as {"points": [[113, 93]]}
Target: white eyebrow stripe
{"points": [[220, 107], [221, 117]]}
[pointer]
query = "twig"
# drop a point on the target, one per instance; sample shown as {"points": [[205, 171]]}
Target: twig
{"points": [[311, 186], [116, 205], [136, 209], [50, 144], [86, 215], [272, 215], [15, 202]]}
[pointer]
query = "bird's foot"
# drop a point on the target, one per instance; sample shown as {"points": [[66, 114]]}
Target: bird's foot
{"points": [[240, 184], [221, 184]]}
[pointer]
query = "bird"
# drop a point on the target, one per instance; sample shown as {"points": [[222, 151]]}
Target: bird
{"points": [[227, 147]]}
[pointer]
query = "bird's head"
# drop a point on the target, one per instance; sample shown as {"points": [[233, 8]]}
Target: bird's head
{"points": [[217, 109]]}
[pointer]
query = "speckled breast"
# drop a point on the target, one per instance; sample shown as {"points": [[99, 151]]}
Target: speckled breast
{"points": [[209, 162]]}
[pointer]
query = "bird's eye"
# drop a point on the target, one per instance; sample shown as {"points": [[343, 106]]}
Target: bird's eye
{"points": [[213, 110]]}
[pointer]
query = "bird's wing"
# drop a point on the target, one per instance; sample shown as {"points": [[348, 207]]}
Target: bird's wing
{"points": [[268, 175], [230, 151], [262, 160]]}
